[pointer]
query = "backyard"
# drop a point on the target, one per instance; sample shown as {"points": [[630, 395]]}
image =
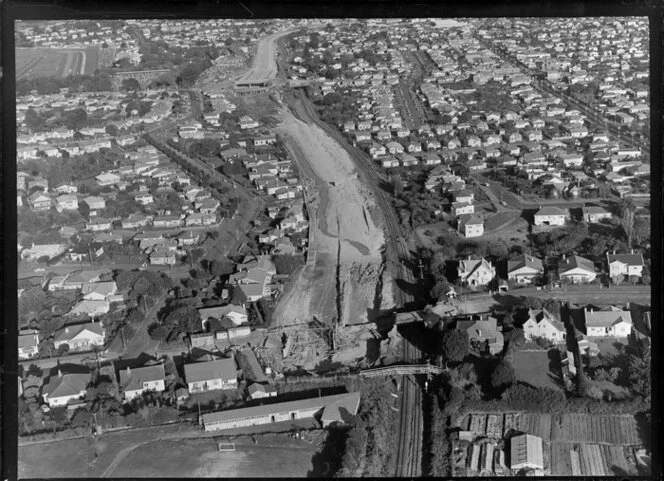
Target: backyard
{"points": [[538, 369]]}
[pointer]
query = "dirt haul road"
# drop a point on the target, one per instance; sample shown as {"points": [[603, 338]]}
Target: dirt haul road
{"points": [[347, 232], [265, 64]]}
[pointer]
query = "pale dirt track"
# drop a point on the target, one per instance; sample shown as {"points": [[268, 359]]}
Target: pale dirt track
{"points": [[346, 231]]}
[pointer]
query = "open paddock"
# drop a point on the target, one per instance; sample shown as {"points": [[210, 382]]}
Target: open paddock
{"points": [[533, 368], [55, 62]]}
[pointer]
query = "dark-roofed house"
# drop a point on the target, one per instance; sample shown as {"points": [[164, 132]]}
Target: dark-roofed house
{"points": [[621, 265], [337, 408], [576, 269], [138, 380], [483, 334], [209, 376], [526, 453], [608, 322], [541, 323], [524, 269], [65, 387], [550, 215]]}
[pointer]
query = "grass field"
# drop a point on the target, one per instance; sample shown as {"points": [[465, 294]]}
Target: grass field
{"points": [[273, 456], [172, 451], [532, 368], [55, 62]]}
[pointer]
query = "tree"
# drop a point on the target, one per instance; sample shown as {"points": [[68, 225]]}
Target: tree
{"points": [[515, 339], [641, 231], [331, 98], [455, 345], [220, 267], [626, 217], [397, 185], [639, 373], [503, 375], [33, 120], [75, 119], [131, 84], [112, 130]]}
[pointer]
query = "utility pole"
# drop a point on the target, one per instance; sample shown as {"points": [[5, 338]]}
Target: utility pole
{"points": [[421, 267]]}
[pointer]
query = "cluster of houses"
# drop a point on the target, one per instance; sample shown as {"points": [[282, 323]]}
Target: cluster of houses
{"points": [[526, 269], [68, 384]]}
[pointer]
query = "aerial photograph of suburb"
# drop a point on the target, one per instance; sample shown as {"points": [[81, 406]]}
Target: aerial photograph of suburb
{"points": [[378, 247]]}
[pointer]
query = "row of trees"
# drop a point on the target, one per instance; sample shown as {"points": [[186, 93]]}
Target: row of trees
{"points": [[98, 82]]}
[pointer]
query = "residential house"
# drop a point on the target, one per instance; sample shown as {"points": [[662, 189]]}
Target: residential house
{"points": [[541, 323], [483, 334], [80, 337], [97, 224], [167, 221], [624, 265], [161, 255], [39, 202], [211, 375], [524, 269], [135, 221], [63, 388], [607, 322], [209, 206], [236, 314], [595, 214], [476, 272], [94, 203], [100, 291], [28, 343], [551, 216], [471, 225], [43, 250], [66, 202], [261, 391], [462, 208], [90, 308], [135, 381], [107, 178], [576, 269]]}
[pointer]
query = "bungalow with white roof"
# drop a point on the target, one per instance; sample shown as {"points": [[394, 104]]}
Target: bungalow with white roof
{"points": [[608, 322], [551, 216]]}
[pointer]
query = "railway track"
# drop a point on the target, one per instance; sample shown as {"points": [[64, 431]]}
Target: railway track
{"points": [[409, 448]]}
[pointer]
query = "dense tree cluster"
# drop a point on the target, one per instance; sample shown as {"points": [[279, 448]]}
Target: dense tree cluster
{"points": [[99, 82]]}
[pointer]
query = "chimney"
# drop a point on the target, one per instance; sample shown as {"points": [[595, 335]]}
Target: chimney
{"points": [[128, 371], [632, 251], [59, 373], [66, 330]]}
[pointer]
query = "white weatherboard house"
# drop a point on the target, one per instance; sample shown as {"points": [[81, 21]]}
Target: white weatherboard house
{"points": [[339, 408], [476, 272], [625, 264], [471, 225], [135, 382], [211, 375], [65, 387], [541, 323], [524, 269], [608, 322], [576, 269], [550, 215], [80, 337]]}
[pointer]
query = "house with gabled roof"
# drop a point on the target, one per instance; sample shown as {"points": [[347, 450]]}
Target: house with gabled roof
{"points": [[65, 387], [471, 225], [624, 265], [211, 375], [28, 343], [594, 214], [237, 314], [80, 337], [483, 334], [608, 322], [541, 323], [135, 381], [550, 215], [524, 269], [576, 269], [475, 272]]}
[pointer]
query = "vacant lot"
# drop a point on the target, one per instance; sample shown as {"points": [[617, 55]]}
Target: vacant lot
{"points": [[533, 368]]}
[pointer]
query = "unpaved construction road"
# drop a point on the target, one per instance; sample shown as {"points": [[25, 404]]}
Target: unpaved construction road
{"points": [[347, 235]]}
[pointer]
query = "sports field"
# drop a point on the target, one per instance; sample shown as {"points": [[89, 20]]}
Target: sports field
{"points": [[55, 62]]}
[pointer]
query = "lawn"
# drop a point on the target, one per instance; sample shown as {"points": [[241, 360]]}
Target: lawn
{"points": [[533, 368], [272, 456], [62, 459], [609, 346]]}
